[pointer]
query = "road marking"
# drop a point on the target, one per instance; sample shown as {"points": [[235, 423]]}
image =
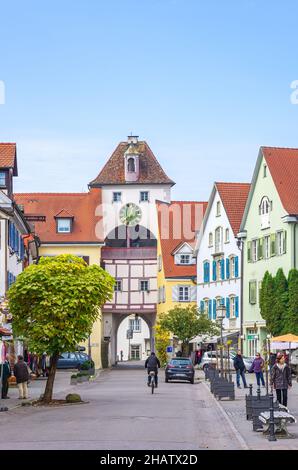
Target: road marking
{"points": [[236, 433]]}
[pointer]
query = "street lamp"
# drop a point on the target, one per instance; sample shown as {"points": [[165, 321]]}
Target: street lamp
{"points": [[267, 365], [220, 315]]}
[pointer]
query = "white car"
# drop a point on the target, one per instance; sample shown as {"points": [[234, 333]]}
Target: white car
{"points": [[209, 357]]}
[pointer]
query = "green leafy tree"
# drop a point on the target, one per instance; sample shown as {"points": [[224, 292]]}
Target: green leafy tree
{"points": [[267, 298], [291, 317], [186, 323], [54, 304], [162, 341], [280, 304]]}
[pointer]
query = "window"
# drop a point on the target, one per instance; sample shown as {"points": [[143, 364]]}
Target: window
{"points": [[184, 294], [135, 351], [64, 225], [144, 286], [264, 210], [118, 286], [281, 242], [232, 307], [232, 264], [252, 292], [218, 208], [218, 240], [264, 171], [210, 239], [265, 206], [159, 263], [185, 259], [252, 341], [2, 179], [117, 197], [135, 324], [131, 165], [144, 196], [267, 247], [227, 235], [254, 250]]}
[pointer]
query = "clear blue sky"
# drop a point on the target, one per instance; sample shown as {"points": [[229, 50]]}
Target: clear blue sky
{"points": [[204, 82]]}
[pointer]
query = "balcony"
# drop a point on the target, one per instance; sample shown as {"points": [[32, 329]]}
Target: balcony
{"points": [[218, 249]]}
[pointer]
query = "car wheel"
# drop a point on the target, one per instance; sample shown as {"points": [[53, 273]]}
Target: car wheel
{"points": [[204, 367], [192, 381]]}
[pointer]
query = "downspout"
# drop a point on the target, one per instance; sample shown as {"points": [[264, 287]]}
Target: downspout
{"points": [[241, 293]]}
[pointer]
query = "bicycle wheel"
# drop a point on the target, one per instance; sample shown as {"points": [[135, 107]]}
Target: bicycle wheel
{"points": [[152, 385]]}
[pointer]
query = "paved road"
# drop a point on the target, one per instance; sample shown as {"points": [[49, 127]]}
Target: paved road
{"points": [[122, 414]]}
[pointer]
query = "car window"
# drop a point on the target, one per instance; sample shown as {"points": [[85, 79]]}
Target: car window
{"points": [[64, 356], [184, 362], [209, 354], [72, 356]]}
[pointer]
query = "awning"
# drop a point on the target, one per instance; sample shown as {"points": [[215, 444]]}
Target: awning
{"points": [[288, 341], [214, 339]]}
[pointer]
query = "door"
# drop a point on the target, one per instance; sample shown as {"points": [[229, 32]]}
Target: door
{"points": [[135, 352]]}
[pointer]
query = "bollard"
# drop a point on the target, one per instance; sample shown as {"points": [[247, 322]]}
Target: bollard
{"points": [[259, 393], [250, 390], [271, 420]]}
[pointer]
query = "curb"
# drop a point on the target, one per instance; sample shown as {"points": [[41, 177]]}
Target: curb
{"points": [[237, 434]]}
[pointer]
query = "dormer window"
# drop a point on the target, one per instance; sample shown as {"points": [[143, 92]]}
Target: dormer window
{"points": [[131, 165], [185, 259], [2, 179], [64, 225]]}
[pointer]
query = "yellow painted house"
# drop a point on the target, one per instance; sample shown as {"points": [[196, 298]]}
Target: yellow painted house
{"points": [[178, 224], [66, 224]]}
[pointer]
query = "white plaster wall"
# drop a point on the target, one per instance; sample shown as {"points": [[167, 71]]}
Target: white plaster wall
{"points": [[138, 338]]}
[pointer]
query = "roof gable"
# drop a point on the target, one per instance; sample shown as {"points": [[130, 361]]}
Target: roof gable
{"points": [[8, 157], [150, 171], [234, 197]]}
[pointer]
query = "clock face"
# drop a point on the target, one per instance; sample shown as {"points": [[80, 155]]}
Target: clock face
{"points": [[130, 214]]}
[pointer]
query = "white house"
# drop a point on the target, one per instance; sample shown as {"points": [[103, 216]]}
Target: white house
{"points": [[138, 347], [219, 257]]}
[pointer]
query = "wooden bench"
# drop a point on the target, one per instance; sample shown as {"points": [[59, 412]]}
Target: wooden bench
{"points": [[281, 420]]}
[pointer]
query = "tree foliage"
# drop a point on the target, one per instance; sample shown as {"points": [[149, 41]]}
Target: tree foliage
{"points": [[162, 340], [54, 304], [267, 297], [186, 323], [291, 317]]}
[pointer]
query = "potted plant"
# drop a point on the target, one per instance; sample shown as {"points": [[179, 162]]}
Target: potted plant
{"points": [[88, 366]]}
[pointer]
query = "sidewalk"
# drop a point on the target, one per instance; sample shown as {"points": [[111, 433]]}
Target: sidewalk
{"points": [[236, 414], [36, 388]]}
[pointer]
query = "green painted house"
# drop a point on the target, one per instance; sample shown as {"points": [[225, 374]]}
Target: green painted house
{"points": [[269, 233]]}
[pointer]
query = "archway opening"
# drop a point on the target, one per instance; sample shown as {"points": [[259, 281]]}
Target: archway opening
{"points": [[134, 337]]}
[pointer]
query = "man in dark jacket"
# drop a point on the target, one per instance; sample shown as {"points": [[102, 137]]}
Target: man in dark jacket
{"points": [[240, 369], [22, 376], [152, 364], [5, 374]]}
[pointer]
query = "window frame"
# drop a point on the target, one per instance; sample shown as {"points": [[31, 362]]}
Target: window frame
{"points": [[252, 283], [218, 209], [254, 250], [142, 193], [188, 255], [141, 283], [183, 297], [210, 239], [227, 238], [117, 283], [118, 193], [3, 172], [60, 219]]}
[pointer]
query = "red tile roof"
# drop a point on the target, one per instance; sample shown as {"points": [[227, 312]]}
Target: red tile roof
{"points": [[178, 223], [8, 156], [234, 197], [82, 206], [283, 167], [150, 169]]}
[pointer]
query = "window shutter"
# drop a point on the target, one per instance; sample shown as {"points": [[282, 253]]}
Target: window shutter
{"points": [[214, 270], [208, 272], [202, 306], [236, 307], [163, 294], [214, 309], [236, 266], [228, 307], [260, 248], [273, 243], [193, 294], [228, 268], [249, 252], [205, 271], [284, 242], [175, 293], [86, 259], [210, 309], [222, 269]]}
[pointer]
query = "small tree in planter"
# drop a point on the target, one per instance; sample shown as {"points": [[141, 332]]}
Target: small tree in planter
{"points": [[54, 304], [88, 366]]}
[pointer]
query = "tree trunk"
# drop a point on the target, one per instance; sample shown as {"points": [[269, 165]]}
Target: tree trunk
{"points": [[50, 382]]}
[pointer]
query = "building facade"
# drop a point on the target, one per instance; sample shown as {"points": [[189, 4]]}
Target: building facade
{"points": [[219, 256], [269, 233], [136, 346]]}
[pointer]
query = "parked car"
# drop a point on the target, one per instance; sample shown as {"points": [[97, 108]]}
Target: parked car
{"points": [[209, 357], [180, 368], [72, 360]]}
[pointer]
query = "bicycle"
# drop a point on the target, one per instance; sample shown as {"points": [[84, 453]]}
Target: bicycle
{"points": [[152, 380]]}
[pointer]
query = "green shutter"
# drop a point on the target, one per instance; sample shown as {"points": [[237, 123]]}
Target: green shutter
{"points": [[273, 243], [252, 292], [260, 248], [284, 247], [249, 252]]}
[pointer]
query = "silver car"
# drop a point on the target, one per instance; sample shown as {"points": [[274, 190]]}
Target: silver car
{"points": [[209, 357]]}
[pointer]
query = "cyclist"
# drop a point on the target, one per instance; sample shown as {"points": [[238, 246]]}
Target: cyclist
{"points": [[152, 364]]}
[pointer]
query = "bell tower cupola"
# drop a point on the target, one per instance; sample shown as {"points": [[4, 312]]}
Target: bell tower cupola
{"points": [[132, 160]]}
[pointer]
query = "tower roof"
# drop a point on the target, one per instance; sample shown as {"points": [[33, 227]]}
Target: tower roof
{"points": [[113, 172]]}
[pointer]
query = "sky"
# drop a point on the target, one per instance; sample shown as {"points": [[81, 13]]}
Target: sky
{"points": [[205, 83]]}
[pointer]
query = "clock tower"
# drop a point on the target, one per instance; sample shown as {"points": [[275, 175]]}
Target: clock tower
{"points": [[131, 182]]}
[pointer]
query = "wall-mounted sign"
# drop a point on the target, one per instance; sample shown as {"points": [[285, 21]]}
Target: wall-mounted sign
{"points": [[35, 218]]}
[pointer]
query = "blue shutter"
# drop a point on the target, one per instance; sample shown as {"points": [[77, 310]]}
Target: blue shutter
{"points": [[214, 309], [9, 234], [228, 268], [22, 249], [236, 307], [236, 266], [205, 272], [210, 309], [228, 307], [222, 268], [12, 237], [202, 306], [214, 270], [208, 271]]}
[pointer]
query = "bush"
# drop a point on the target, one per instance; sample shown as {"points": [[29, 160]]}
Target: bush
{"points": [[87, 365], [73, 398], [74, 376]]}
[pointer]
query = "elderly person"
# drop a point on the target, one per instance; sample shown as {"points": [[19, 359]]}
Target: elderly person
{"points": [[22, 376], [6, 373], [281, 379], [257, 368]]}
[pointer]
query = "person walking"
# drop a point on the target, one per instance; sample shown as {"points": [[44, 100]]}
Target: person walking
{"points": [[281, 379], [257, 367], [240, 369], [6, 373], [22, 376]]}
